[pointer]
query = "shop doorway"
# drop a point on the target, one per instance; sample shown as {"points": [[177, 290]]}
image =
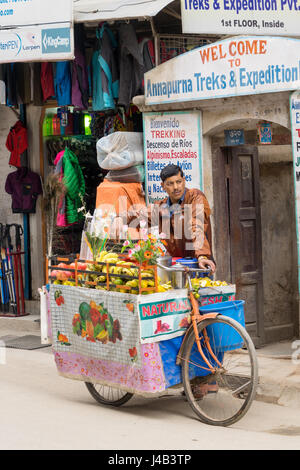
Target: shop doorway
{"points": [[238, 229]]}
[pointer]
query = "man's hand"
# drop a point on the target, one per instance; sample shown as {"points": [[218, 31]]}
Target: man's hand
{"points": [[205, 263]]}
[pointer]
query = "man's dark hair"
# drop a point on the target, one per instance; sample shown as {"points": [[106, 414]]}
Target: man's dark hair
{"points": [[170, 170]]}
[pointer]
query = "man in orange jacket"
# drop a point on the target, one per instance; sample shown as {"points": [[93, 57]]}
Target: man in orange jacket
{"points": [[184, 216]]}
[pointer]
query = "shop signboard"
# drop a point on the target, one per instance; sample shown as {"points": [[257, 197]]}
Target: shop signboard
{"points": [[233, 67], [234, 137], [36, 31], [172, 137], [295, 129], [260, 17]]}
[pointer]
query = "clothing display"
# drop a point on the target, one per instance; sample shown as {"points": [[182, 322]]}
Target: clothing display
{"points": [[109, 69], [131, 65], [75, 185], [24, 186], [17, 143], [63, 83], [105, 72], [47, 80], [80, 83]]}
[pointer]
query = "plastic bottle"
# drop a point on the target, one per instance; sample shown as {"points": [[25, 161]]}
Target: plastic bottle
{"points": [[87, 122], [49, 124], [45, 126], [56, 125]]}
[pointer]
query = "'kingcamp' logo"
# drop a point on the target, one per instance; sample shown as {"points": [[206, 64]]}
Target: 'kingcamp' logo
{"points": [[56, 40]]}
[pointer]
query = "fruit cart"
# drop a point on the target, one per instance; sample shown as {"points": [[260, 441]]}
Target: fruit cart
{"points": [[119, 329]]}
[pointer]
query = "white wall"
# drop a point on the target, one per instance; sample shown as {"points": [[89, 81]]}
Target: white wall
{"points": [[7, 119], [36, 246]]}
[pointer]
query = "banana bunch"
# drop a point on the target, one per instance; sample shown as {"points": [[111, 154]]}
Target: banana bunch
{"points": [[164, 287], [197, 283], [118, 268], [206, 282]]}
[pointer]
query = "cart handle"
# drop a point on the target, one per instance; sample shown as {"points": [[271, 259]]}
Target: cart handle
{"points": [[179, 267]]}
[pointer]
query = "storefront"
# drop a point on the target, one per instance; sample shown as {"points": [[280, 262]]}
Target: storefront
{"points": [[218, 121], [247, 165], [64, 104]]}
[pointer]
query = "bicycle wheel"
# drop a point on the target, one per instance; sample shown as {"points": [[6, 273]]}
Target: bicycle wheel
{"points": [[108, 395], [223, 397]]}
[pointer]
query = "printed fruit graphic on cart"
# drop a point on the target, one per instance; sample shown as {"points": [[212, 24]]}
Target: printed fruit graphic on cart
{"points": [[62, 339], [94, 323], [58, 297]]}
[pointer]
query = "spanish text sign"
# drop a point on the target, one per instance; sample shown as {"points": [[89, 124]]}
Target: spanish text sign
{"points": [[295, 129], [276, 17], [172, 138], [233, 67]]}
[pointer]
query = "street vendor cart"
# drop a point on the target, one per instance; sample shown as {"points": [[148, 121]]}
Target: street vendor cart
{"points": [[121, 342]]}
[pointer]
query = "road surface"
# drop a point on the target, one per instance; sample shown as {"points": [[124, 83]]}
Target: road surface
{"points": [[41, 410]]}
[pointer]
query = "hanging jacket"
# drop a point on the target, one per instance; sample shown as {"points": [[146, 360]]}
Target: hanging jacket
{"points": [[63, 83], [47, 81], [17, 143], [80, 83], [131, 65], [61, 220], [10, 84], [24, 186], [74, 182], [105, 71]]}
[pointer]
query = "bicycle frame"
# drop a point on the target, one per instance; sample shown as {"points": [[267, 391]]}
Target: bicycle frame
{"points": [[196, 318]]}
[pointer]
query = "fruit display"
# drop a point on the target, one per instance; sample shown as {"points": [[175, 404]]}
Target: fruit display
{"points": [[95, 323], [201, 282], [110, 271]]}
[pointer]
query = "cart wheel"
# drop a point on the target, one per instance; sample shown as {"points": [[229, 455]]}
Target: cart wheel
{"points": [[223, 397], [108, 395]]}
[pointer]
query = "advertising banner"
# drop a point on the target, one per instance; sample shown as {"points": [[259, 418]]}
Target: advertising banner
{"points": [[172, 138], [38, 43], [233, 67], [15, 13], [260, 17], [295, 129], [165, 316], [36, 31]]}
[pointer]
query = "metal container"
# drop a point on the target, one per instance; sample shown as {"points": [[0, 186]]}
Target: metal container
{"points": [[178, 278], [164, 275]]}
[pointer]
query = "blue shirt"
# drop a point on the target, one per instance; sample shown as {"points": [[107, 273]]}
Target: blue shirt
{"points": [[169, 204]]}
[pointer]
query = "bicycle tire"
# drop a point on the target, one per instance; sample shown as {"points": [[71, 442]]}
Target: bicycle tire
{"points": [[115, 397], [234, 388]]}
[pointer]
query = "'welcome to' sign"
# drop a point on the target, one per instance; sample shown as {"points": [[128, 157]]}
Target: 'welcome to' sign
{"points": [[233, 67]]}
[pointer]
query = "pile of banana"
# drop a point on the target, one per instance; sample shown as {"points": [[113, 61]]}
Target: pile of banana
{"points": [[199, 282], [124, 272]]}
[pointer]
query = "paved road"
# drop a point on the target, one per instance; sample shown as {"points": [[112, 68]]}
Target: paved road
{"points": [[40, 410]]}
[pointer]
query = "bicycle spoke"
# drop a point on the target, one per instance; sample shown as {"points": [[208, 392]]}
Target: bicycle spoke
{"points": [[222, 397]]}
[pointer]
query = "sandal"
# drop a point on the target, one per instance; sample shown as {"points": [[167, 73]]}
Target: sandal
{"points": [[200, 390]]}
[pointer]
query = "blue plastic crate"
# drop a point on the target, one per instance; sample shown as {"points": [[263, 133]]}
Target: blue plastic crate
{"points": [[223, 336]]}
